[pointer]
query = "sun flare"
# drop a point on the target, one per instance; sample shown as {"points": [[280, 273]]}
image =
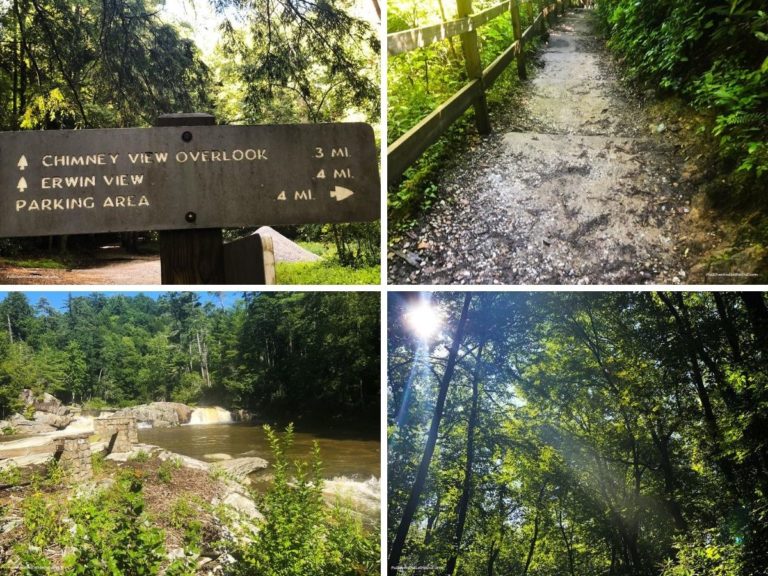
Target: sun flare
{"points": [[424, 320]]}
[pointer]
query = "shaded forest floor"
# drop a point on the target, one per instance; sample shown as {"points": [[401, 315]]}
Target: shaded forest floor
{"points": [[582, 182]]}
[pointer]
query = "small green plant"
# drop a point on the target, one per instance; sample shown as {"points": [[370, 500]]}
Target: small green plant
{"points": [[97, 462], [10, 475], [55, 474], [113, 534], [165, 471], [181, 513], [41, 520], [32, 560], [140, 457]]}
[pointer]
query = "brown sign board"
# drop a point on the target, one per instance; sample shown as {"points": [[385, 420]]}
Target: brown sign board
{"points": [[186, 177]]}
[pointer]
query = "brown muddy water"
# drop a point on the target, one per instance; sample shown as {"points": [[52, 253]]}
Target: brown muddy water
{"points": [[342, 455]]}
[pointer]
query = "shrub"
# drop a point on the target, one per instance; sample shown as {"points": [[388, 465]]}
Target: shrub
{"points": [[711, 53], [113, 534], [301, 536]]}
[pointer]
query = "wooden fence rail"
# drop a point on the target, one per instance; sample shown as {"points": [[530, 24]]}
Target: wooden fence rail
{"points": [[411, 145]]}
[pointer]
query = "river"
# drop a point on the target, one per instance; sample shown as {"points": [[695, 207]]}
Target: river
{"points": [[342, 454]]}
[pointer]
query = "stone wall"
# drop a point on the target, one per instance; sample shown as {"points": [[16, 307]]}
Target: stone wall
{"points": [[121, 431], [74, 455]]}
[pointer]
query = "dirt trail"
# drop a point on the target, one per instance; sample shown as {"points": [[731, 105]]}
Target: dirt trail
{"points": [[575, 187], [131, 270]]}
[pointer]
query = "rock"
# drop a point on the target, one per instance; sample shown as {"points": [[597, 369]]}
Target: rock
{"points": [[159, 414], [45, 403], [217, 456], [239, 468], [243, 505], [185, 461], [23, 426], [55, 420], [10, 524]]}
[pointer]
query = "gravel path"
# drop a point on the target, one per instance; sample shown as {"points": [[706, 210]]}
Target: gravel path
{"points": [[575, 187], [118, 267]]}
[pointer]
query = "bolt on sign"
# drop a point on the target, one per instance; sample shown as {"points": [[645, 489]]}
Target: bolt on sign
{"points": [[186, 177]]}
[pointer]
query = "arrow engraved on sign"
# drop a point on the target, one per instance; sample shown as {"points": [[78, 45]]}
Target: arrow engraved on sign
{"points": [[341, 193], [22, 185], [22, 162]]}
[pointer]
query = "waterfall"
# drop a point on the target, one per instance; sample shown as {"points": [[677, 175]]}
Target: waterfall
{"points": [[213, 415]]}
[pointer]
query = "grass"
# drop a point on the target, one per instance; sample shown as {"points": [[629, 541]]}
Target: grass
{"points": [[46, 263], [322, 249], [325, 272]]}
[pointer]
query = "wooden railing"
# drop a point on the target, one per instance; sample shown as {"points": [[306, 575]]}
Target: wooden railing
{"points": [[411, 145]]}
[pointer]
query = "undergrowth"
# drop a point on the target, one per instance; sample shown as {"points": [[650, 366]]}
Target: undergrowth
{"points": [[713, 54]]}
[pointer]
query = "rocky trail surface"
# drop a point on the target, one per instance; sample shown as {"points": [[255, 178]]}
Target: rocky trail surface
{"points": [[576, 186]]}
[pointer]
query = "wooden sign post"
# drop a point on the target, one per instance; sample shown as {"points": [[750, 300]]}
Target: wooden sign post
{"points": [[187, 179], [192, 256]]}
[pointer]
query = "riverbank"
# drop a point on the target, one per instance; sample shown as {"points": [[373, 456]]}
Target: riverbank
{"points": [[201, 516]]}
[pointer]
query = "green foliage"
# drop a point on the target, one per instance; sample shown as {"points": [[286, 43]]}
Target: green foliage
{"points": [[42, 520], [98, 462], [705, 553], [10, 475], [140, 457], [113, 534], [300, 62], [95, 64], [299, 536], [111, 351], [617, 433], [325, 272], [712, 53], [166, 468]]}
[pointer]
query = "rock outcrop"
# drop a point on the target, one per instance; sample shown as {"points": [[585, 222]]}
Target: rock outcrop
{"points": [[240, 468], [159, 414], [48, 415]]}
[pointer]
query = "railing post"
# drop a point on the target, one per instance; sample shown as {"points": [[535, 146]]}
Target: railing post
{"points": [[519, 37], [474, 67]]}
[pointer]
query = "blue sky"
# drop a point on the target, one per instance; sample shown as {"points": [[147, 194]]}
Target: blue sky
{"points": [[59, 299]]}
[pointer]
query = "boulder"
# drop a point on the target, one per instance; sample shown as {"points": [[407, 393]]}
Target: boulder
{"points": [[159, 414], [45, 403], [51, 419], [21, 425], [239, 468]]}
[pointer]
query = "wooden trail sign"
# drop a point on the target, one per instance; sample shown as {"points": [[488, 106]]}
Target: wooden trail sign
{"points": [[186, 177]]}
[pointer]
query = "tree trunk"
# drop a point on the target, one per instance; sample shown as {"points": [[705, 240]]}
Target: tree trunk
{"points": [[670, 482], [401, 534], [534, 538], [466, 491], [758, 317], [730, 331]]}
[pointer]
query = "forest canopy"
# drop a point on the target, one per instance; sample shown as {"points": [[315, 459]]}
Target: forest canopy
{"points": [[578, 434], [121, 63], [305, 357]]}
